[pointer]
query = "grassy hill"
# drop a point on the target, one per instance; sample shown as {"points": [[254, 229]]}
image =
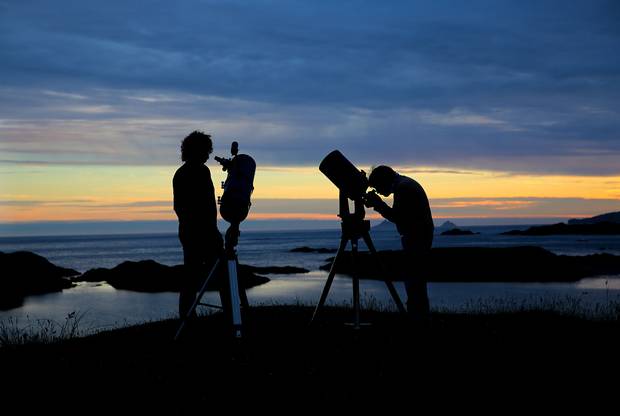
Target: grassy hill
{"points": [[283, 362]]}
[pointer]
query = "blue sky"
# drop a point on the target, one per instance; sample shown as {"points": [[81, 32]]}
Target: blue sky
{"points": [[96, 96], [528, 86]]}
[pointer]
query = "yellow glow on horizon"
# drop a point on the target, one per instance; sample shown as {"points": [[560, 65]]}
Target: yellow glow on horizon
{"points": [[303, 216], [309, 182], [61, 192], [293, 182], [481, 184]]}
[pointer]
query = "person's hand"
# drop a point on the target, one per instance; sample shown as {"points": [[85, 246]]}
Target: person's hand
{"points": [[371, 199]]}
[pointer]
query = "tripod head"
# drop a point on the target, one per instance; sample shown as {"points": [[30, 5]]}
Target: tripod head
{"points": [[353, 223], [231, 238]]}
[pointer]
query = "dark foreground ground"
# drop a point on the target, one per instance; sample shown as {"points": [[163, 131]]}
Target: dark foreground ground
{"points": [[458, 362]]}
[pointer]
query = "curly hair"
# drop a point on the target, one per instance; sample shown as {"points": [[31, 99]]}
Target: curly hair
{"points": [[196, 146]]}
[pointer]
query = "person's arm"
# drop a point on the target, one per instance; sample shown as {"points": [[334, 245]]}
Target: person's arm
{"points": [[211, 203], [373, 200], [386, 211], [178, 203]]}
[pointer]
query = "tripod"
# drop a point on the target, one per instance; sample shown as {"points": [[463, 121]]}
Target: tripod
{"points": [[353, 228], [238, 295]]}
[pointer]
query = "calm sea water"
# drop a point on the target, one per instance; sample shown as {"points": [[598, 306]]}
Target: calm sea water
{"points": [[104, 306]]}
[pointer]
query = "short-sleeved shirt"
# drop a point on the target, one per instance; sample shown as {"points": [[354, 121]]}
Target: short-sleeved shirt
{"points": [[194, 201], [412, 212]]}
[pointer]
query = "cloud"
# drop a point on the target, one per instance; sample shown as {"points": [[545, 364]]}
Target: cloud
{"points": [[64, 95], [528, 86], [523, 207], [456, 117]]}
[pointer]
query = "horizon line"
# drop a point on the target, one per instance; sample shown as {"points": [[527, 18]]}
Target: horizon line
{"points": [[293, 217], [154, 227]]}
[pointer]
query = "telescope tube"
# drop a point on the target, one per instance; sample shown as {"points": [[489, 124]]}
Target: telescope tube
{"points": [[350, 180], [238, 187]]}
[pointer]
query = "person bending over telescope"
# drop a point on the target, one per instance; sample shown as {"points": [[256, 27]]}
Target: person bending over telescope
{"points": [[412, 215], [195, 206]]}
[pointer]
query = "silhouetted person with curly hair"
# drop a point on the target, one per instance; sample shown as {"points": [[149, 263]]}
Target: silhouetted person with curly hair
{"points": [[196, 208], [411, 213]]}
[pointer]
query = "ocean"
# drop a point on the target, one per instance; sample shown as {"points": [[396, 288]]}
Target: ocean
{"points": [[105, 307]]}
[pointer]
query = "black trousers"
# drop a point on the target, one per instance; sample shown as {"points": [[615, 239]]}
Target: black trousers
{"points": [[200, 252], [418, 255]]}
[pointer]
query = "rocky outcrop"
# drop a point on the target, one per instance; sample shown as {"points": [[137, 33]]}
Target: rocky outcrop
{"points": [[25, 273], [446, 226], [482, 264], [600, 228], [150, 276], [306, 249], [609, 217]]}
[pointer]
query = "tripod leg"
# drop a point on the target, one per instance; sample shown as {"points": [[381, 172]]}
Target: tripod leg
{"points": [[234, 296], [330, 278], [197, 300], [242, 293], [356, 285], [390, 286]]}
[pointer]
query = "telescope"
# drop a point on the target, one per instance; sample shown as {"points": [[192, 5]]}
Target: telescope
{"points": [[235, 201], [351, 181], [352, 184], [234, 207]]}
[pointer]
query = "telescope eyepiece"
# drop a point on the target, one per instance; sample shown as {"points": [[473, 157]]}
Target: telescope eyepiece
{"points": [[225, 162]]}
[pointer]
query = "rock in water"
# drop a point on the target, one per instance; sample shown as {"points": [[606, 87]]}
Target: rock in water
{"points": [[150, 276], [482, 264], [25, 273]]}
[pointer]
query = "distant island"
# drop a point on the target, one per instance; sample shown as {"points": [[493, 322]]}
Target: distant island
{"points": [[600, 228], [458, 231], [385, 225], [613, 217], [446, 226], [389, 226], [604, 224]]}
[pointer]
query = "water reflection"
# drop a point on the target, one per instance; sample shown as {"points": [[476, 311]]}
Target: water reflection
{"points": [[106, 307], [602, 282]]}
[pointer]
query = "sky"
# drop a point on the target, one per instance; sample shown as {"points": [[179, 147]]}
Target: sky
{"points": [[500, 109]]}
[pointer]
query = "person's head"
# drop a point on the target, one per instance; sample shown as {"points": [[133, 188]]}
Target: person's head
{"points": [[382, 178], [196, 147]]}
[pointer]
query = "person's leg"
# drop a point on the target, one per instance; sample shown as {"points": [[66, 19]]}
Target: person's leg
{"points": [[200, 252], [417, 298], [192, 269], [418, 305]]}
